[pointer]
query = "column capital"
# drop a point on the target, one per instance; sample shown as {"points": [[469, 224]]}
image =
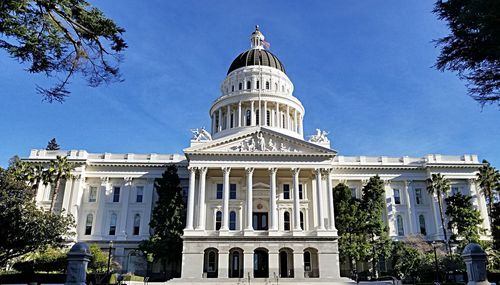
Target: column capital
{"points": [[226, 170], [317, 172], [128, 181], [249, 170], [273, 170], [192, 169], [104, 181], [327, 171], [387, 182], [203, 170], [295, 171]]}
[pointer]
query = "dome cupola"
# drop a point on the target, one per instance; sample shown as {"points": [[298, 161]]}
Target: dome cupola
{"points": [[257, 93]]}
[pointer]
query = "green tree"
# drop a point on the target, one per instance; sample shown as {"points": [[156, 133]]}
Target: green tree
{"points": [[62, 37], [471, 49], [25, 228], [406, 260], [439, 186], [58, 170], [495, 229], [52, 145], [463, 219], [349, 217], [373, 203], [166, 242], [489, 181]]}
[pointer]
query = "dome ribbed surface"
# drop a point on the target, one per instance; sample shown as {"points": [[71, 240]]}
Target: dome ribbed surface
{"points": [[256, 57]]}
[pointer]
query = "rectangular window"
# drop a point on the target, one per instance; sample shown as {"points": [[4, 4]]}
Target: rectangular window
{"points": [[397, 196], [92, 194], [219, 191], [139, 194], [353, 192], [116, 194], [232, 120], [286, 191], [301, 193], [232, 191], [418, 196]]}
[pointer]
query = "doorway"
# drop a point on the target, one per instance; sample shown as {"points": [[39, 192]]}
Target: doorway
{"points": [[260, 263], [260, 221], [236, 263]]}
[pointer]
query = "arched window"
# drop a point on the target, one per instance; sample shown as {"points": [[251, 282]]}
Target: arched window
{"points": [[224, 121], [286, 221], [282, 88], [217, 123], [399, 224], [137, 224], [88, 224], [257, 84], [232, 88], [276, 86], [232, 220], [218, 220], [257, 117], [112, 224], [249, 85], [302, 220], [421, 221], [283, 121], [268, 85], [240, 86], [268, 118], [307, 261], [211, 261], [231, 120], [248, 118]]}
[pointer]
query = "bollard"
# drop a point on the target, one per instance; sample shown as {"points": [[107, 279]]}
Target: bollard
{"points": [[78, 258], [475, 262]]}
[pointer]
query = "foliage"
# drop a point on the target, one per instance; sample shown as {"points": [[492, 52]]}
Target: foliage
{"points": [[24, 227], [439, 186], [166, 243], [373, 203], [58, 170], [65, 37], [463, 219], [50, 259], [489, 181], [349, 217], [472, 48], [99, 260], [52, 145], [407, 260]]}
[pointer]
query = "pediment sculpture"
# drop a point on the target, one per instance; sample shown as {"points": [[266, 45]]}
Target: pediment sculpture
{"points": [[259, 143], [319, 137], [200, 135]]}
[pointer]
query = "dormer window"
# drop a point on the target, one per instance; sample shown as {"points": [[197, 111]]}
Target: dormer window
{"points": [[240, 86], [268, 85], [257, 84], [249, 85]]}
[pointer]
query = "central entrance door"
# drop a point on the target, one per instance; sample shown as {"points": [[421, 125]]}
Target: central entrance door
{"points": [[260, 264], [284, 265], [260, 221]]}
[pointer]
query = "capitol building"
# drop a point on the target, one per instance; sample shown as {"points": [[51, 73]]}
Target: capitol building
{"points": [[258, 190]]}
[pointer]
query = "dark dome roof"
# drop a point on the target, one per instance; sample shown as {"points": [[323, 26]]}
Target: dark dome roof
{"points": [[256, 57]]}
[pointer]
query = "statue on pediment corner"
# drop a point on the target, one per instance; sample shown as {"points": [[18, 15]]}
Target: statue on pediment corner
{"points": [[200, 134]]}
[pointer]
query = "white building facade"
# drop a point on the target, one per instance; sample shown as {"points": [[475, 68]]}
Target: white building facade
{"points": [[259, 195]]}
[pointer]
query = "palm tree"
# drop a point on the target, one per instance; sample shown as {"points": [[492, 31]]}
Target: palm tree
{"points": [[439, 186], [59, 169], [489, 180]]}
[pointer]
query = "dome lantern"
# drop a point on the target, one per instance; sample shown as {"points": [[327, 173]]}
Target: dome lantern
{"points": [[257, 38]]}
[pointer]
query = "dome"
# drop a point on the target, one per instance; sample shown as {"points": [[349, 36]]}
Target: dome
{"points": [[256, 57]]}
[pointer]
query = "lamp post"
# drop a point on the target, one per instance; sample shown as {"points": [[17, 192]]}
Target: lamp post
{"points": [[109, 255], [434, 246]]}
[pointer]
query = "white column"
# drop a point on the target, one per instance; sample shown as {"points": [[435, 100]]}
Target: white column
{"points": [[225, 209], [239, 114], [201, 200], [319, 197], [100, 220], [249, 206], [228, 117], [219, 127], [265, 114], [259, 123], [125, 197], [68, 189], [295, 129], [76, 198], [331, 209], [149, 190], [190, 204], [479, 203], [252, 113], [301, 124], [287, 118], [296, 204], [213, 124], [277, 122], [437, 218], [272, 200], [412, 213]]}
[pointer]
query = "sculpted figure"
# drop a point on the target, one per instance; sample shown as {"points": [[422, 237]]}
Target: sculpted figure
{"points": [[271, 145], [261, 143]]}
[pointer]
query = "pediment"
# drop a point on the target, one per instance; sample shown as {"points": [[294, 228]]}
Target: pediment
{"points": [[260, 141]]}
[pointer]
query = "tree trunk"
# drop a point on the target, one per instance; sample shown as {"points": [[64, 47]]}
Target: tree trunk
{"points": [[54, 195], [443, 226]]}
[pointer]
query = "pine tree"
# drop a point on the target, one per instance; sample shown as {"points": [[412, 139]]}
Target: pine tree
{"points": [[373, 203], [52, 145], [165, 244]]}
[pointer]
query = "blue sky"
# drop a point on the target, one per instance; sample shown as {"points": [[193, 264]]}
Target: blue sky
{"points": [[362, 69]]}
